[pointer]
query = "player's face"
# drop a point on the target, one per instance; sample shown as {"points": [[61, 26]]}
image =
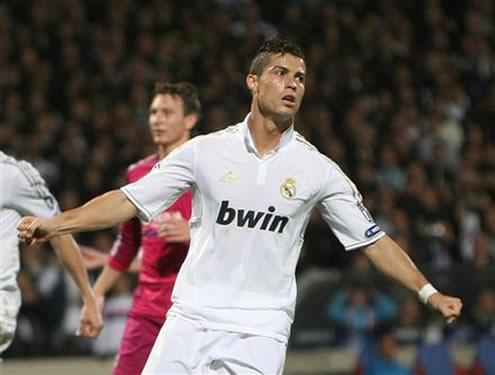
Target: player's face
{"points": [[167, 122], [280, 88]]}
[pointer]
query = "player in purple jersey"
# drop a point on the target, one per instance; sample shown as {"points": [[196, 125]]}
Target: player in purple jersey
{"points": [[173, 113]]}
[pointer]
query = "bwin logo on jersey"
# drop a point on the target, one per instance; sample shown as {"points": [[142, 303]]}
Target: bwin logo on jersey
{"points": [[252, 219]]}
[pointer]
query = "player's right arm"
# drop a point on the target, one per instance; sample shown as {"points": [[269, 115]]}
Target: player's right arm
{"points": [[104, 211], [150, 196]]}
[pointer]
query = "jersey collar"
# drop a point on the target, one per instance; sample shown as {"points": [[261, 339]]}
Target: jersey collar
{"points": [[287, 137]]}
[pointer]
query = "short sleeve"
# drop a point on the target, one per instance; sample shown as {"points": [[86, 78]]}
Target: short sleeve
{"points": [[342, 208], [165, 183], [31, 195]]}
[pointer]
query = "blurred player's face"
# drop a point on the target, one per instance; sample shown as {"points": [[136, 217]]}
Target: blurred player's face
{"points": [[169, 127], [280, 89]]}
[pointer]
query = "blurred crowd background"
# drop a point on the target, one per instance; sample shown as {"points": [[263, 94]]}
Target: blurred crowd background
{"points": [[401, 94]]}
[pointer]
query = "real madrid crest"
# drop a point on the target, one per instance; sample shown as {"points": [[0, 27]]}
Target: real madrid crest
{"points": [[288, 188]]}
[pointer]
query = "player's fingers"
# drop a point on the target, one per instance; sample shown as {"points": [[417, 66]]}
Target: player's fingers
{"points": [[25, 238], [25, 222], [176, 238], [456, 306], [89, 332], [35, 224], [451, 313], [86, 330], [94, 330]]}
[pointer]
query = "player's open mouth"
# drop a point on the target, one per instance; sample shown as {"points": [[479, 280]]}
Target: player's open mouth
{"points": [[289, 100]]}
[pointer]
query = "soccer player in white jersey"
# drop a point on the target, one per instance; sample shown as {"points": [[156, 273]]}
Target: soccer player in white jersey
{"points": [[254, 185], [24, 192]]}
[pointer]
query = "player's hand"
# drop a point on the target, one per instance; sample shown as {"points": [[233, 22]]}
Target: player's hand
{"points": [[448, 307], [34, 229], [173, 227], [91, 321], [93, 258]]}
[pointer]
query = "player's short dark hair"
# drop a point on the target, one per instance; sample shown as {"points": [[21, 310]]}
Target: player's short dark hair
{"points": [[184, 90], [272, 47]]}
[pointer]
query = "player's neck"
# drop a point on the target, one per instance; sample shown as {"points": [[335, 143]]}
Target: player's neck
{"points": [[165, 149], [265, 132]]}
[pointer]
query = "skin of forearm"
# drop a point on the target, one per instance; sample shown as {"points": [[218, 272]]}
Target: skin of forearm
{"points": [[106, 280], [389, 258], [104, 211], [68, 252], [135, 266]]}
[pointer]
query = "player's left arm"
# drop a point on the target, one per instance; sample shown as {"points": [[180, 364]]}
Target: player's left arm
{"points": [[389, 258], [67, 250], [32, 197]]}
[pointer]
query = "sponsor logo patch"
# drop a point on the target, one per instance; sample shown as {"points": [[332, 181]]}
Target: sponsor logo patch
{"points": [[371, 231], [252, 219]]}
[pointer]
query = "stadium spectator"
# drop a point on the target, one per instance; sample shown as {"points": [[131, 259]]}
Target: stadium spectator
{"points": [[381, 356], [358, 310], [409, 326]]}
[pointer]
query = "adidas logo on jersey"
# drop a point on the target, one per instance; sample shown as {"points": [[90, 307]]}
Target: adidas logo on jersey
{"points": [[252, 219], [228, 177]]}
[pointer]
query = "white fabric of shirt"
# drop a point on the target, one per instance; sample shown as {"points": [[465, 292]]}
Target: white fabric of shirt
{"points": [[240, 277], [22, 192]]}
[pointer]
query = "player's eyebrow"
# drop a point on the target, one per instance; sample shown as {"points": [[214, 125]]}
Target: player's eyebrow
{"points": [[280, 67], [285, 69]]}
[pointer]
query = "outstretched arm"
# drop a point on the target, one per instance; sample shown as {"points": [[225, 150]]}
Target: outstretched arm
{"points": [[67, 250], [104, 211], [390, 259]]}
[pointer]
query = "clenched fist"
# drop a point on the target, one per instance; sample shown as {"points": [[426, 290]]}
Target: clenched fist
{"points": [[448, 307], [34, 229]]}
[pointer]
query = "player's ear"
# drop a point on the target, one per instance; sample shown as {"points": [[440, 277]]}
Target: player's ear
{"points": [[252, 82], [191, 120]]}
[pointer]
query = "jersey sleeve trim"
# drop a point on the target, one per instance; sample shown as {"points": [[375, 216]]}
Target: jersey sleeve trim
{"points": [[355, 192], [113, 263], [143, 214], [358, 245]]}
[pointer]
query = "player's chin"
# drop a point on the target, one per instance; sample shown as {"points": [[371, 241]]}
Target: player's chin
{"points": [[290, 110], [161, 140]]}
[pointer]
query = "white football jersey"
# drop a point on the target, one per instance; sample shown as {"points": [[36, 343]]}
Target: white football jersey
{"points": [[248, 222], [22, 192]]}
